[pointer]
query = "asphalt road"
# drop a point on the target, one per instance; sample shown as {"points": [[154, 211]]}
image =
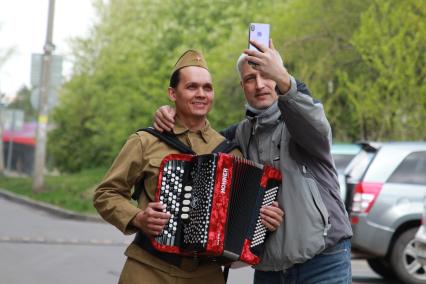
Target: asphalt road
{"points": [[41, 248]]}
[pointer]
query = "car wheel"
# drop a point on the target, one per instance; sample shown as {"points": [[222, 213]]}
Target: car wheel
{"points": [[381, 267], [404, 260]]}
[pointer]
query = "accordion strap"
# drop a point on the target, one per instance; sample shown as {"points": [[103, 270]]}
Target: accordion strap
{"points": [[225, 146], [169, 139]]}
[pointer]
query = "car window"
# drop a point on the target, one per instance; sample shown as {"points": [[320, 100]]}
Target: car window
{"points": [[359, 164], [412, 170], [342, 160]]}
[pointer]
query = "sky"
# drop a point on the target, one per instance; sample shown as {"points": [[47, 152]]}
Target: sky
{"points": [[23, 27]]}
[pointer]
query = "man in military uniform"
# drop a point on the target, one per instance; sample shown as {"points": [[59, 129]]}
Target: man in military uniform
{"points": [[191, 90]]}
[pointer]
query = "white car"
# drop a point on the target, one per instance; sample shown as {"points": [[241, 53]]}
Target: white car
{"points": [[420, 239]]}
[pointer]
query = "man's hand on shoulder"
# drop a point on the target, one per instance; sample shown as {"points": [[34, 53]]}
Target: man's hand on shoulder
{"points": [[164, 118], [151, 221]]}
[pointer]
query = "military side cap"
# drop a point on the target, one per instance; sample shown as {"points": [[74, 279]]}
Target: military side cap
{"points": [[190, 58]]}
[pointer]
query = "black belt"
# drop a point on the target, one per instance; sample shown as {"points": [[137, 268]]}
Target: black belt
{"points": [[189, 264]]}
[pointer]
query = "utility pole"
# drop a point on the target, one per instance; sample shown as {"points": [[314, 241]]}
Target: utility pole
{"points": [[40, 153]]}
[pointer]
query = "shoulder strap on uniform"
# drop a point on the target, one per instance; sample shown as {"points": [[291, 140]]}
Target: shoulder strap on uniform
{"points": [[169, 139]]}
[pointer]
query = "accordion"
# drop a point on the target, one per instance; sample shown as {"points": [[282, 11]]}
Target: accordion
{"points": [[214, 201]]}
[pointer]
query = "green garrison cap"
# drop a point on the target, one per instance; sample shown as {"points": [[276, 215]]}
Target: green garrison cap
{"points": [[190, 58]]}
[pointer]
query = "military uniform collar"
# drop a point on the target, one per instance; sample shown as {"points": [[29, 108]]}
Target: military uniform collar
{"points": [[180, 128]]}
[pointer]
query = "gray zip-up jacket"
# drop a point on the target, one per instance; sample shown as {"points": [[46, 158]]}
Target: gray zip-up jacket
{"points": [[294, 136]]}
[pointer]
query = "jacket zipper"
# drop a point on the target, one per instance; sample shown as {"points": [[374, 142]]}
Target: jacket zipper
{"points": [[254, 126]]}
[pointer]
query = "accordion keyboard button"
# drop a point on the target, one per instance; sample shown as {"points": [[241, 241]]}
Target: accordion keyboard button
{"points": [[185, 209], [184, 216], [188, 188], [186, 202], [187, 195]]}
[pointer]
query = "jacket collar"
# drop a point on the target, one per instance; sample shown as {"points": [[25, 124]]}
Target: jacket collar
{"points": [[205, 132], [268, 117]]}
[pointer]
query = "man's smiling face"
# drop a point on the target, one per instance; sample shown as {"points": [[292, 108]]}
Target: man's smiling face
{"points": [[194, 94], [259, 92]]}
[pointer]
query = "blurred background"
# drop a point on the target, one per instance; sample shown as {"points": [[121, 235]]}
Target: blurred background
{"points": [[89, 73]]}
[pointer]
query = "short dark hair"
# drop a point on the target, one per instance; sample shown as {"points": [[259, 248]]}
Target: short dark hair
{"points": [[174, 80]]}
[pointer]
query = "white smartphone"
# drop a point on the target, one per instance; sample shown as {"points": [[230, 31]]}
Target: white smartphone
{"points": [[259, 33]]}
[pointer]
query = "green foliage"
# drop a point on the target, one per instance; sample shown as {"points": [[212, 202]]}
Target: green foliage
{"points": [[354, 56], [123, 69], [22, 101], [388, 94], [70, 191], [314, 37]]}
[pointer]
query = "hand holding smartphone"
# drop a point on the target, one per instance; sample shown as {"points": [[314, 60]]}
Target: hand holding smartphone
{"points": [[259, 33]]}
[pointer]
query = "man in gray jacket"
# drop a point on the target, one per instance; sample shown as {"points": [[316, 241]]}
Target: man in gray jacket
{"points": [[285, 127]]}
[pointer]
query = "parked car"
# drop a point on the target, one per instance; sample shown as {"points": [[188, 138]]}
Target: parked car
{"points": [[342, 155], [420, 238], [385, 185]]}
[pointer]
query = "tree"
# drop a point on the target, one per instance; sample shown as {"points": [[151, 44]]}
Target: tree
{"points": [[22, 101], [122, 72], [122, 69], [387, 94], [314, 37]]}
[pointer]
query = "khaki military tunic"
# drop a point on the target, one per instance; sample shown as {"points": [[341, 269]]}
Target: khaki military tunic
{"points": [[140, 158]]}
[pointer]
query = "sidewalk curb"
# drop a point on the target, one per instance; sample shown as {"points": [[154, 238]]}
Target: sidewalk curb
{"points": [[49, 208]]}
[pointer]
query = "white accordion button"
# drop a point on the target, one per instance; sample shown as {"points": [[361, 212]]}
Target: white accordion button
{"points": [[185, 209]]}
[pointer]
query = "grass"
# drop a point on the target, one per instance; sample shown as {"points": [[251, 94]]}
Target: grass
{"points": [[70, 191]]}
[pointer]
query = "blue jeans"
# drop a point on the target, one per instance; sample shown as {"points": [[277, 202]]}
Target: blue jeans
{"points": [[333, 266]]}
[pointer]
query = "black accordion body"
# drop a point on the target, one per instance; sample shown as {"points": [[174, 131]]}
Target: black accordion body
{"points": [[214, 201]]}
